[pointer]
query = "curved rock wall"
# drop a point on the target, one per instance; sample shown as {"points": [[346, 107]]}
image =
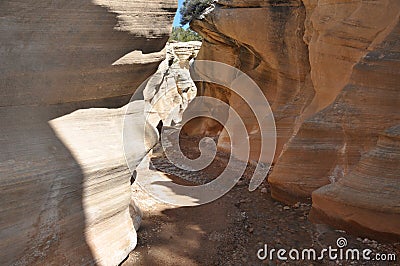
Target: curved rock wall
{"points": [[330, 70], [65, 186], [270, 50]]}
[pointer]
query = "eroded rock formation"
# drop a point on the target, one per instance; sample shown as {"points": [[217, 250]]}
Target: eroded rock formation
{"points": [[330, 71], [65, 186], [168, 92]]}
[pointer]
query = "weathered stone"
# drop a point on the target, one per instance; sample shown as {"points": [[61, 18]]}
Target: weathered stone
{"points": [[354, 69], [168, 92], [75, 50], [273, 54], [65, 188], [330, 71], [367, 199]]}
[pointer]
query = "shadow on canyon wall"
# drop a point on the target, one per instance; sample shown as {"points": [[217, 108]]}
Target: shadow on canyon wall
{"points": [[56, 57]]}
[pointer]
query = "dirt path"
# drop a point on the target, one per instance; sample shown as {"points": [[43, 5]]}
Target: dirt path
{"points": [[230, 230]]}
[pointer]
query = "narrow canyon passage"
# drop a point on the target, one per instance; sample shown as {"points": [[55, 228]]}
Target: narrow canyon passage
{"points": [[312, 100], [232, 229]]}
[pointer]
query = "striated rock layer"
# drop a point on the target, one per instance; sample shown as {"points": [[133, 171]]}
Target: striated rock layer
{"points": [[347, 203], [266, 42], [65, 186], [356, 94], [330, 71], [79, 50]]}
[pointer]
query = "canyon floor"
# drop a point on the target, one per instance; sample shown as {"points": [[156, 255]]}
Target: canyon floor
{"points": [[230, 230]]}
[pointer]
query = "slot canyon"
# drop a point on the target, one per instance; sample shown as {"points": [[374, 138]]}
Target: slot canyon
{"points": [[330, 70]]}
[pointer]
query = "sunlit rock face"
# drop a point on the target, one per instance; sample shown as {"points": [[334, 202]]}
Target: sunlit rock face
{"points": [[183, 54], [330, 71], [65, 186], [168, 92]]}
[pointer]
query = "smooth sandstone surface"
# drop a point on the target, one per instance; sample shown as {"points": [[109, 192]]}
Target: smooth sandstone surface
{"points": [[106, 47], [330, 71], [273, 54], [66, 69], [356, 88]]}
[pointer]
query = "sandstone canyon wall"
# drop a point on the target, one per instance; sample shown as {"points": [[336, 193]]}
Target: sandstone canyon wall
{"points": [[65, 186], [330, 71]]}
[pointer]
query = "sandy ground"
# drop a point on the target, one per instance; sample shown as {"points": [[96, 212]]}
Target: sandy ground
{"points": [[230, 230]]}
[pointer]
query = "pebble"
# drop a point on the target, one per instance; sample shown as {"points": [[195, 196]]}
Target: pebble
{"points": [[286, 208], [241, 183], [244, 201], [264, 190], [251, 230]]}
